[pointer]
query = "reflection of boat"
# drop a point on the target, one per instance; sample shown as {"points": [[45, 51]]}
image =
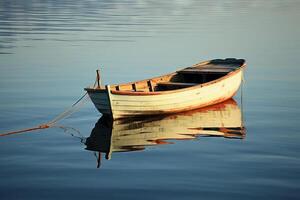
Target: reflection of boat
{"points": [[200, 85], [220, 120]]}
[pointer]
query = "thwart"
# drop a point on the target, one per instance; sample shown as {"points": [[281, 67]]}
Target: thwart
{"points": [[200, 85]]}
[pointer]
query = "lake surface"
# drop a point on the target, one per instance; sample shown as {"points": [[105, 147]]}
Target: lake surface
{"points": [[49, 51]]}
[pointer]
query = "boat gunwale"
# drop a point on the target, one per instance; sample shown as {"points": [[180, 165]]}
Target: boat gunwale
{"points": [[136, 93]]}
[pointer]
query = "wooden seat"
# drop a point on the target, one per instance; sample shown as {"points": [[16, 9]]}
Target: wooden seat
{"points": [[176, 84], [205, 70]]}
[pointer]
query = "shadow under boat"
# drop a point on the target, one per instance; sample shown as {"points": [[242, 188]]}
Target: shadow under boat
{"points": [[220, 120]]}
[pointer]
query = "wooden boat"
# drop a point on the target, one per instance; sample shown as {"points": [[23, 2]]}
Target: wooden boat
{"points": [[220, 120], [200, 85]]}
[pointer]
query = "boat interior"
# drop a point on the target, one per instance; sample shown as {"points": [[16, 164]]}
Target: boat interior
{"points": [[197, 74]]}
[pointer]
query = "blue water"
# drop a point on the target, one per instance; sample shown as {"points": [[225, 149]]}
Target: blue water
{"points": [[49, 51]]}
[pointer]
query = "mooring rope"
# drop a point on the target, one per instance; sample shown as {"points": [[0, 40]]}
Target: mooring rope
{"points": [[51, 123], [75, 106], [69, 111]]}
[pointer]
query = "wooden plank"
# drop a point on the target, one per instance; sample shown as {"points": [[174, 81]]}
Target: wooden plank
{"points": [[223, 66], [219, 70], [205, 70], [151, 89], [226, 66], [217, 67], [133, 87], [176, 84]]}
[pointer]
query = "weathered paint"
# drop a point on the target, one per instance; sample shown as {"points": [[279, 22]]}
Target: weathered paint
{"points": [[101, 101]]}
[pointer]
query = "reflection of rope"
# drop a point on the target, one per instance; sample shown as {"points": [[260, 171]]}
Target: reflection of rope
{"points": [[51, 123], [77, 134], [66, 129]]}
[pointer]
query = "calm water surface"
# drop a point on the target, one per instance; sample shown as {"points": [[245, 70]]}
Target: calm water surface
{"points": [[49, 51]]}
